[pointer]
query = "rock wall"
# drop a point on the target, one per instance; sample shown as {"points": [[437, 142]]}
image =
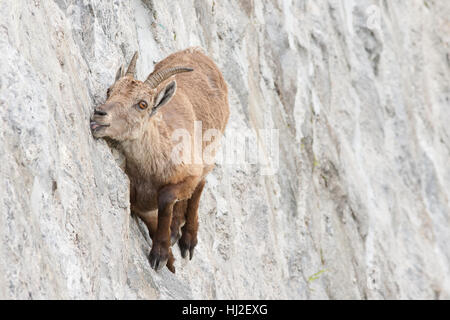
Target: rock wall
{"points": [[356, 208]]}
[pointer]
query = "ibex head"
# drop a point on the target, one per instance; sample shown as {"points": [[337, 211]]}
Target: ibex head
{"points": [[131, 103]]}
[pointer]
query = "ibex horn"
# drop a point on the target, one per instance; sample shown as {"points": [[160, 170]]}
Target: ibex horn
{"points": [[154, 79], [132, 66]]}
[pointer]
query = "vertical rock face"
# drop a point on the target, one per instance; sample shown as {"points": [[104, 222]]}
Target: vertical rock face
{"points": [[357, 205]]}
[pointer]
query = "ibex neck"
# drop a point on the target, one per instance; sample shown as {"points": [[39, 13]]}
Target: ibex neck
{"points": [[149, 154]]}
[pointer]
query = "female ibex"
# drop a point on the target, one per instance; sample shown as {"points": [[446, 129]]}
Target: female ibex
{"points": [[191, 88]]}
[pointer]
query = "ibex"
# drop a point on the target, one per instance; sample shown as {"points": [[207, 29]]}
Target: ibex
{"points": [[185, 87]]}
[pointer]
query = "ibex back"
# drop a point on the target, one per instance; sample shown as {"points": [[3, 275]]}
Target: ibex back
{"points": [[142, 117]]}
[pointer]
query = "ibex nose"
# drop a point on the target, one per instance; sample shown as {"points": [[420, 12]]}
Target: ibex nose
{"points": [[99, 112]]}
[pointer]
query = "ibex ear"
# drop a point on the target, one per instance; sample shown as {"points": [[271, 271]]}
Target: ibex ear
{"points": [[165, 95], [120, 72]]}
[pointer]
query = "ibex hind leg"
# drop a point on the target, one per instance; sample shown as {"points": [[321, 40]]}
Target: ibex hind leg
{"points": [[178, 220], [151, 221], [188, 239]]}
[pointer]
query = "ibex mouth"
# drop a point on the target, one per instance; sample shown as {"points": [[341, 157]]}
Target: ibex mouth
{"points": [[95, 126]]}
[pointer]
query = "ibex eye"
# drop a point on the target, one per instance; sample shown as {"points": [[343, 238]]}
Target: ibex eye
{"points": [[143, 105]]}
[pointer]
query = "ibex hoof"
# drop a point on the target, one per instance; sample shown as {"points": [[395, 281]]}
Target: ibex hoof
{"points": [[187, 243], [170, 262], [171, 268], [159, 255]]}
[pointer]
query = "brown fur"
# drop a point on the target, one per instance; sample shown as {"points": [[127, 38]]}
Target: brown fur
{"points": [[156, 182]]}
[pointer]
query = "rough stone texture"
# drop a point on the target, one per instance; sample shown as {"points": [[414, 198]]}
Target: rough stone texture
{"points": [[359, 206]]}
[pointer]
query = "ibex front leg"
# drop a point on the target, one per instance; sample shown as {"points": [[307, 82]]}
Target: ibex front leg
{"points": [[167, 196], [152, 225]]}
